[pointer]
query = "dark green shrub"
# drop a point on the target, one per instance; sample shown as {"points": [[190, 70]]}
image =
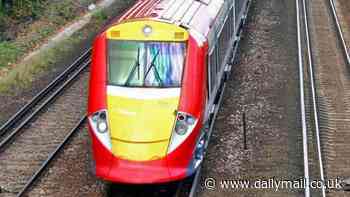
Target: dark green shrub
{"points": [[8, 53], [24, 9]]}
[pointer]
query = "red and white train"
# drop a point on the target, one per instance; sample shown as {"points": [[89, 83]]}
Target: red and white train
{"points": [[157, 75]]}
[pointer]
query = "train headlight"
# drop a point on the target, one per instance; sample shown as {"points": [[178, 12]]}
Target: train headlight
{"points": [[147, 30], [184, 125], [98, 122], [181, 129], [102, 127]]}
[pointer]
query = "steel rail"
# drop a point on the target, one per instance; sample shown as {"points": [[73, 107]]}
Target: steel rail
{"points": [[16, 131], [340, 31], [51, 157], [302, 103], [313, 97], [347, 55], [195, 182], [43, 93]]}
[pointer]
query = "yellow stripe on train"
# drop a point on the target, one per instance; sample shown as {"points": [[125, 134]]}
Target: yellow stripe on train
{"points": [[147, 30]]}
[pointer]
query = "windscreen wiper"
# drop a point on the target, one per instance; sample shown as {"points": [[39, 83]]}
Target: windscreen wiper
{"points": [[136, 65], [152, 65]]}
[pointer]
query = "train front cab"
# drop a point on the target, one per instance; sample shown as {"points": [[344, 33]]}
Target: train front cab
{"points": [[147, 102]]}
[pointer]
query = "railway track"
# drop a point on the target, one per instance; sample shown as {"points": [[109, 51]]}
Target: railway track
{"points": [[324, 89], [51, 157], [33, 136], [23, 116]]}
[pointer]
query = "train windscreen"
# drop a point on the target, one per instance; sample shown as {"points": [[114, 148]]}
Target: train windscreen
{"points": [[145, 64]]}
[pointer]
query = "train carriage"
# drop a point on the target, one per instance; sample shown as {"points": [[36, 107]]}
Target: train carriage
{"points": [[156, 75]]}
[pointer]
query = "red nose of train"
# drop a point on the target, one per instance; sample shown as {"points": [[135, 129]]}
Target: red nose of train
{"points": [[138, 133]]}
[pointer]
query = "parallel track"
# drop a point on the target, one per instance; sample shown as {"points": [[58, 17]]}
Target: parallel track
{"points": [[318, 112], [23, 116], [340, 31], [21, 122], [52, 156]]}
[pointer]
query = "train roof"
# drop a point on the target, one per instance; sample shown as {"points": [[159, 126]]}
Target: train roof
{"points": [[195, 15]]}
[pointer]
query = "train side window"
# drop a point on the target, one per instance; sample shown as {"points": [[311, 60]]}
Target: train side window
{"points": [[222, 48], [234, 18], [223, 43], [218, 48], [212, 71], [231, 17], [237, 13]]}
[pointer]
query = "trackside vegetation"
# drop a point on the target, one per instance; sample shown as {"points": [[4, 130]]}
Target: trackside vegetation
{"points": [[19, 38]]}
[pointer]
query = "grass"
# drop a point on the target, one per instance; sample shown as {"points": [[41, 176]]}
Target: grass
{"points": [[25, 73], [100, 16], [9, 52]]}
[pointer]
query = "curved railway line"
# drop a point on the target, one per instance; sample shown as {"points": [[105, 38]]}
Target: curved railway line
{"points": [[324, 86]]}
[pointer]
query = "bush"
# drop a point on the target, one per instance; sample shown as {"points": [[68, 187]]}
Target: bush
{"points": [[2, 26], [8, 53], [24, 9]]}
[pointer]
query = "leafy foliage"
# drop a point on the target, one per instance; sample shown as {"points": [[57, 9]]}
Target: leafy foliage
{"points": [[8, 53], [24, 9]]}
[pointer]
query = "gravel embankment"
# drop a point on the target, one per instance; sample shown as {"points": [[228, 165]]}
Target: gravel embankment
{"points": [[23, 157], [264, 86]]}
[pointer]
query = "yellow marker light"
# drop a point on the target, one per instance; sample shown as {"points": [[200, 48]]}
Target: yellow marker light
{"points": [[115, 34], [179, 35]]}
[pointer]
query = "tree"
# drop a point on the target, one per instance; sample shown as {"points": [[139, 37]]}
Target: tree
{"points": [[6, 5]]}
